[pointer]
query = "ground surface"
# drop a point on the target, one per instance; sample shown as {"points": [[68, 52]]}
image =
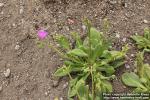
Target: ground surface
{"points": [[31, 68]]}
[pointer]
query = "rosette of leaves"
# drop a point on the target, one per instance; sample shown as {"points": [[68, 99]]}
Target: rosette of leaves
{"points": [[140, 81], [143, 42], [90, 64]]}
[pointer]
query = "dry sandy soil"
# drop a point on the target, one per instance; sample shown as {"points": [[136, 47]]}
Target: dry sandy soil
{"points": [[31, 68]]}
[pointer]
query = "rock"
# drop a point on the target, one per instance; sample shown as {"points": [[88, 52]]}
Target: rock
{"points": [[17, 47], [132, 55], [125, 5], [124, 39], [2, 13], [65, 85], [124, 87], [21, 10], [55, 83], [136, 33], [61, 98], [83, 27], [14, 25], [145, 21], [117, 35], [1, 88], [113, 2], [46, 93], [127, 66], [1, 4], [7, 73]]}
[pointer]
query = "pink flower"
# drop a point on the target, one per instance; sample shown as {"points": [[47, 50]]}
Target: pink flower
{"points": [[42, 34]]}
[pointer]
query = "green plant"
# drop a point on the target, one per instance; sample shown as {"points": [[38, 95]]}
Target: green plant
{"points": [[89, 65], [140, 80], [143, 42]]}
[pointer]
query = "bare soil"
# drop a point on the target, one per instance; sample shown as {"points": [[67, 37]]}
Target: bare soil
{"points": [[31, 68]]}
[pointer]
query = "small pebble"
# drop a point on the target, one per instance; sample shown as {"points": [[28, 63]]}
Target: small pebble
{"points": [[136, 33], [127, 66], [46, 93], [1, 4], [124, 87], [7, 73], [21, 10], [55, 83], [145, 21], [17, 47], [13, 24], [124, 39], [113, 2], [65, 85], [132, 55], [2, 13], [61, 98], [117, 35], [83, 27], [125, 5]]}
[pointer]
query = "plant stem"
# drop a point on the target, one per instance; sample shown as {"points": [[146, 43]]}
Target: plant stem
{"points": [[75, 87], [92, 82], [61, 54], [58, 52]]}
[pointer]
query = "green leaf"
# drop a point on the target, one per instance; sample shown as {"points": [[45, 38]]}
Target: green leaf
{"points": [[106, 25], [63, 41], [78, 52], [106, 68], [40, 44], [140, 90], [75, 84], [62, 71], [131, 79], [77, 39], [116, 55], [70, 99], [147, 33], [147, 71], [97, 52], [118, 63], [72, 91], [83, 91], [74, 66], [107, 85], [141, 41], [139, 64], [95, 37]]}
